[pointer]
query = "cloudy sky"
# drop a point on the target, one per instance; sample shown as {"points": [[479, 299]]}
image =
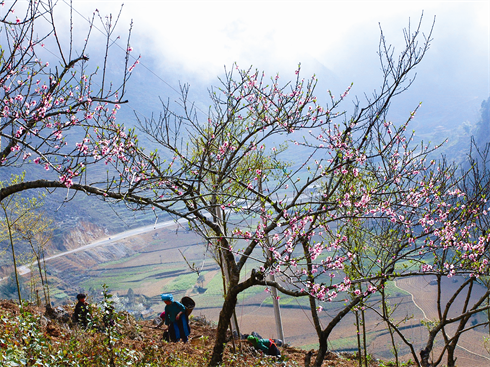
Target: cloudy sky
{"points": [[200, 37], [192, 41], [195, 40]]}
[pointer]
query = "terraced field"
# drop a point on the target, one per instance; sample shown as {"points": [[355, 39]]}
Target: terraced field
{"points": [[471, 350], [158, 261]]}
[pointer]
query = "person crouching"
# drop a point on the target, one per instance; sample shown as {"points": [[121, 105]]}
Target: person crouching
{"points": [[267, 346], [175, 319]]}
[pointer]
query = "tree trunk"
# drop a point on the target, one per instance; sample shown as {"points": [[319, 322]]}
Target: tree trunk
{"points": [[323, 348], [364, 337], [223, 322], [451, 360], [425, 353], [46, 283], [358, 334], [424, 357], [386, 316], [13, 256], [42, 280]]}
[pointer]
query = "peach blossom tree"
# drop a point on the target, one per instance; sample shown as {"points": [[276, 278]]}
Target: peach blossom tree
{"points": [[57, 111], [330, 201]]}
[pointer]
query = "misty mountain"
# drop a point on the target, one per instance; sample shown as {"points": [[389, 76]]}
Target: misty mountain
{"points": [[150, 85], [482, 130]]}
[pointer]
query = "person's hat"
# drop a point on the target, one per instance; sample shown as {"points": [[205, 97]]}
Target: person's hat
{"points": [[252, 339], [167, 297], [81, 296]]}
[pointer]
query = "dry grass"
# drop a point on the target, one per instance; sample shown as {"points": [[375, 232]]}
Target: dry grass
{"points": [[144, 338]]}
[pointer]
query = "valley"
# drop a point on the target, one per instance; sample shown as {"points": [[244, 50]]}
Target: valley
{"points": [[148, 261]]}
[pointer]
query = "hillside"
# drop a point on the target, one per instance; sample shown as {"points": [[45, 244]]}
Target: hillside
{"points": [[139, 268], [31, 336]]}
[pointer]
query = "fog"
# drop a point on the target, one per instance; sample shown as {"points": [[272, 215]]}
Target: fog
{"points": [[193, 41]]}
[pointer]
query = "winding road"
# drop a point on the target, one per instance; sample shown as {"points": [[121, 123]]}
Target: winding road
{"points": [[25, 269]]}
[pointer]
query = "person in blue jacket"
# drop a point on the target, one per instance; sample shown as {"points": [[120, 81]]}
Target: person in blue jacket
{"points": [[175, 319]]}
